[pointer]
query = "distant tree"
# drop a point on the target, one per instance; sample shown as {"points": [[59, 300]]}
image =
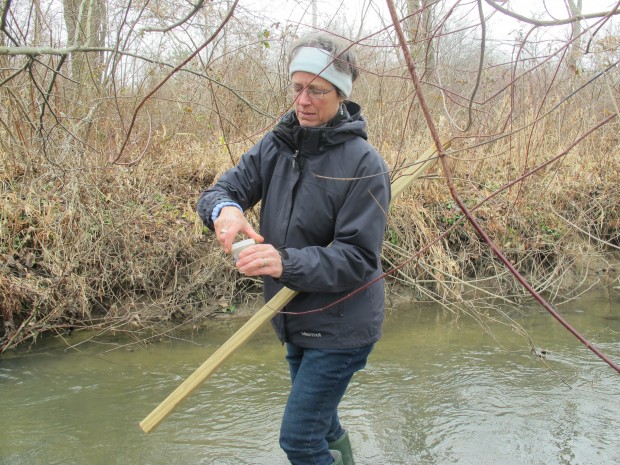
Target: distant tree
{"points": [[574, 8], [420, 30], [86, 25]]}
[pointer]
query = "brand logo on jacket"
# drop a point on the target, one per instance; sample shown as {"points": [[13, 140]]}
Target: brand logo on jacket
{"points": [[309, 334]]}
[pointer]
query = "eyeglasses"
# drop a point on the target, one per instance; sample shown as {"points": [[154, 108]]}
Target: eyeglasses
{"points": [[295, 90]]}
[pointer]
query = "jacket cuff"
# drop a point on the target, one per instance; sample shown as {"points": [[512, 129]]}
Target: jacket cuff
{"points": [[284, 258], [218, 208]]}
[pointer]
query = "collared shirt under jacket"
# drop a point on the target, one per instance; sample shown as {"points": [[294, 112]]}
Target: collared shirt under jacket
{"points": [[325, 194]]}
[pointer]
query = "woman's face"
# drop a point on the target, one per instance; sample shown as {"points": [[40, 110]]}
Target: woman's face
{"points": [[313, 111]]}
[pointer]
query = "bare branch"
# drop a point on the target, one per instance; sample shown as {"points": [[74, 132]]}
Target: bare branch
{"points": [[36, 51], [190, 15], [3, 23], [15, 74], [559, 22], [172, 73], [483, 35]]}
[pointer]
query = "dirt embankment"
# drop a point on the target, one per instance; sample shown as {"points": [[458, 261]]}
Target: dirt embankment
{"points": [[118, 247]]}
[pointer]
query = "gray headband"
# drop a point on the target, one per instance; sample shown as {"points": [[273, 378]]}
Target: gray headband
{"points": [[316, 61]]}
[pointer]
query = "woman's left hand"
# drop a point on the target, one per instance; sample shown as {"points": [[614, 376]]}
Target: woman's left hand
{"points": [[260, 259]]}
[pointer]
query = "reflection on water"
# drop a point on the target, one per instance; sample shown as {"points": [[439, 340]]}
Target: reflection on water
{"points": [[435, 391]]}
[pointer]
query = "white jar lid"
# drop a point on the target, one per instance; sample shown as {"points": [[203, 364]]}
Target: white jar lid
{"points": [[239, 246]]}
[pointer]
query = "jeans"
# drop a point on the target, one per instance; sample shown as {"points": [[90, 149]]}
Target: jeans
{"points": [[319, 380]]}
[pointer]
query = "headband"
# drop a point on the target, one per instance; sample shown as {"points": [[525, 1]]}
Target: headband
{"points": [[316, 61]]}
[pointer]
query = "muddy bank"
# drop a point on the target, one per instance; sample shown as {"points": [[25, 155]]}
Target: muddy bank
{"points": [[107, 247]]}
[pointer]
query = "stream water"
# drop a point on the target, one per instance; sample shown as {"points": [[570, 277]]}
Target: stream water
{"points": [[436, 390]]}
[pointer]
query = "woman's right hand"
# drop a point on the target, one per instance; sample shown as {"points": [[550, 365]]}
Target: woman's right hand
{"points": [[229, 223]]}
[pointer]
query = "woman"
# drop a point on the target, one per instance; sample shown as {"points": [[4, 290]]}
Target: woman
{"points": [[325, 192]]}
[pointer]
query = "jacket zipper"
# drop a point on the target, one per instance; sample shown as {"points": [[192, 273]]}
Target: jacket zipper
{"points": [[295, 154], [284, 335]]}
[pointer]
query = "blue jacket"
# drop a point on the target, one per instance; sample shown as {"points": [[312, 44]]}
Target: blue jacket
{"points": [[325, 194]]}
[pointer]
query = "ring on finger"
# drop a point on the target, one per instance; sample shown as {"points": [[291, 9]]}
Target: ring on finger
{"points": [[223, 231], [265, 262]]}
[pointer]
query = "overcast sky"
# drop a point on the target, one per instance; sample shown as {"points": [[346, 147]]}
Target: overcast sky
{"points": [[350, 12]]}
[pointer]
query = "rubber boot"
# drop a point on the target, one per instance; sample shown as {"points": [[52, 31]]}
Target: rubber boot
{"points": [[343, 446], [337, 457]]}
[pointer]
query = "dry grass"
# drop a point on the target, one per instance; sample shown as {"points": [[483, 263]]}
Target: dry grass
{"points": [[559, 227], [124, 245], [108, 241], [84, 242]]}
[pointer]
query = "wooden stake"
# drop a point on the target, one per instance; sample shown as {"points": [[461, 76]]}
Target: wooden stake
{"points": [[264, 315], [243, 334]]}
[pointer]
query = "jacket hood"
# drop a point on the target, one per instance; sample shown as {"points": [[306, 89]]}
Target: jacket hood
{"points": [[347, 124]]}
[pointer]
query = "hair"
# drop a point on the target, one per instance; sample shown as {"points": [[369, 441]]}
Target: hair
{"points": [[341, 51]]}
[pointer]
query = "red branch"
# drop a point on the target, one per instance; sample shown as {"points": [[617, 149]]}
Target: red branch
{"points": [[448, 174]]}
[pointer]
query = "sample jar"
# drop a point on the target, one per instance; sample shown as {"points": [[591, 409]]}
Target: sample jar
{"points": [[239, 246]]}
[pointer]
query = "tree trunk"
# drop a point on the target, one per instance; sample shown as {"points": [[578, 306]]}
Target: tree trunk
{"points": [[86, 27], [420, 31], [574, 52]]}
